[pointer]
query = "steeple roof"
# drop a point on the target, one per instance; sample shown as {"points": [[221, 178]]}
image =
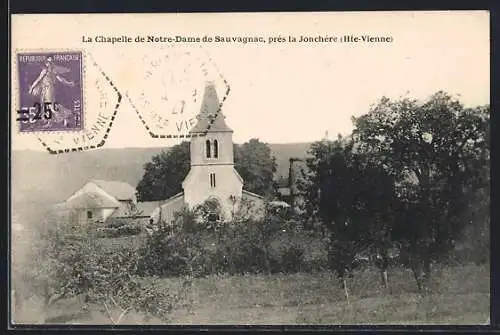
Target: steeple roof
{"points": [[210, 118]]}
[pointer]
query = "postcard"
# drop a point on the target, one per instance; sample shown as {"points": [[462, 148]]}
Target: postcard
{"points": [[320, 168]]}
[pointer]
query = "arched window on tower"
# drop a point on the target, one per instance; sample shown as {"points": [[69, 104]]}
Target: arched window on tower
{"points": [[208, 149], [216, 149]]}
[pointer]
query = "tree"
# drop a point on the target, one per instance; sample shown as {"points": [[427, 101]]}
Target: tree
{"points": [[163, 176], [353, 198], [72, 263], [438, 153], [256, 165]]}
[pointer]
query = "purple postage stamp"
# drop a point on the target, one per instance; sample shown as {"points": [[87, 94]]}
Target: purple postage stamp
{"points": [[50, 91]]}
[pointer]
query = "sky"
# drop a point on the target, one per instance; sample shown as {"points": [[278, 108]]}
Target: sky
{"points": [[288, 92]]}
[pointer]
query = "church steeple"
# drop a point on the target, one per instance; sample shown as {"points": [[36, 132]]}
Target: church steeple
{"points": [[211, 141], [210, 118]]}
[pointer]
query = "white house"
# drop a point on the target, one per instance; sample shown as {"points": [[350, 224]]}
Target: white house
{"points": [[212, 175], [100, 199]]}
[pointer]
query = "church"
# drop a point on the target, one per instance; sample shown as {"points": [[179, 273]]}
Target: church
{"points": [[212, 175]]}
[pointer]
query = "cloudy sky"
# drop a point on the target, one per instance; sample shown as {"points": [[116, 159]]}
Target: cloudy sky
{"points": [[287, 92]]}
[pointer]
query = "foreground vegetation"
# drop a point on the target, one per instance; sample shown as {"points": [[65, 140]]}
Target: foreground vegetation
{"points": [[460, 295], [181, 278]]}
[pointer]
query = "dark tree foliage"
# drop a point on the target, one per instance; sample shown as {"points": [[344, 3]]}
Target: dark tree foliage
{"points": [[354, 199], [256, 165], [438, 152], [164, 174], [412, 174]]}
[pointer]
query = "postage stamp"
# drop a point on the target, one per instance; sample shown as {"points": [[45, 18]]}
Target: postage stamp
{"points": [[64, 99], [168, 93], [50, 91]]}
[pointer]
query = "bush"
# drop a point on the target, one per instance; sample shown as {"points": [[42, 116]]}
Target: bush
{"points": [[74, 264], [167, 254], [116, 222], [236, 249], [315, 265], [242, 256], [118, 231], [241, 247], [245, 247], [292, 259], [128, 230]]}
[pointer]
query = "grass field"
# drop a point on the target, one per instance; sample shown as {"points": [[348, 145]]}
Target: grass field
{"points": [[460, 295]]}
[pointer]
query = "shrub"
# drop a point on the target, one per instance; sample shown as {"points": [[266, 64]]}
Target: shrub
{"points": [[167, 254], [118, 231], [132, 229], [74, 264], [116, 222], [292, 258], [189, 247], [315, 265], [243, 256]]}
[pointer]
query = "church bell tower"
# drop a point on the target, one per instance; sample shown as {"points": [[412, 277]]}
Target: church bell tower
{"points": [[212, 175]]}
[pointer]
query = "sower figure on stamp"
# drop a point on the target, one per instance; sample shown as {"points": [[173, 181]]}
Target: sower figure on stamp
{"points": [[44, 88]]}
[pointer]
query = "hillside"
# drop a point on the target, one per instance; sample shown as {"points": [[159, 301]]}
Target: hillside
{"points": [[40, 179]]}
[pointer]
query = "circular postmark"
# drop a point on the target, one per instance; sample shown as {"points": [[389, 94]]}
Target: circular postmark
{"points": [[77, 118], [168, 93]]}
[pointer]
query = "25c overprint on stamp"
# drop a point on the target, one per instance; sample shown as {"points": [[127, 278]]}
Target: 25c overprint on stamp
{"points": [[50, 91]]}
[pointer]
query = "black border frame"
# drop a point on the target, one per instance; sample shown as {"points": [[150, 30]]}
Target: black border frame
{"points": [[156, 6]]}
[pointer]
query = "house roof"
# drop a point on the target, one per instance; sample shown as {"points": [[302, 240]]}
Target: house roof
{"points": [[118, 189], [172, 198], [148, 207], [210, 118], [251, 194], [92, 200]]}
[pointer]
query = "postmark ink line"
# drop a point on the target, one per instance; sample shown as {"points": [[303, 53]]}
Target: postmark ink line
{"points": [[100, 144], [228, 89], [153, 135], [204, 69]]}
